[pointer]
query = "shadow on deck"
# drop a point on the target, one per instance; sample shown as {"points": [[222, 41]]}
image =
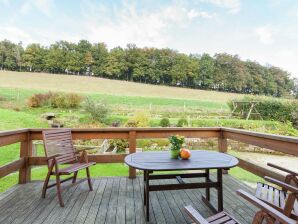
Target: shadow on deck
{"points": [[115, 200]]}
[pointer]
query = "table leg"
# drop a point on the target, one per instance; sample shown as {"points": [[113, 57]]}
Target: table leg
{"points": [[207, 189], [220, 190], [147, 194], [144, 187]]}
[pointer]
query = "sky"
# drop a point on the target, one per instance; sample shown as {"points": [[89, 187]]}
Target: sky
{"points": [[259, 30]]}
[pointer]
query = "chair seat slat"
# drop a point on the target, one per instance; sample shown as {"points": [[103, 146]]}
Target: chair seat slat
{"points": [[259, 190], [216, 216], [221, 220]]}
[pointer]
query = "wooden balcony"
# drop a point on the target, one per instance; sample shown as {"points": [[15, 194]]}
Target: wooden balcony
{"points": [[119, 199]]}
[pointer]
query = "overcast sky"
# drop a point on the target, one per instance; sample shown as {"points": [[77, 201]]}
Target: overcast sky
{"points": [[261, 30]]}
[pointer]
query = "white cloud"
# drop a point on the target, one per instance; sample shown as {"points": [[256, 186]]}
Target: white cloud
{"points": [[233, 6], [265, 35], [127, 24], [44, 6], [14, 34]]}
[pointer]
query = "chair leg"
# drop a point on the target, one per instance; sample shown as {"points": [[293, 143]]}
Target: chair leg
{"points": [[89, 179], [58, 184], [75, 177], [45, 185]]}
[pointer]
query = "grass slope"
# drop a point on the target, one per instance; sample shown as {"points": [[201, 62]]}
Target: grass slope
{"points": [[85, 84]]}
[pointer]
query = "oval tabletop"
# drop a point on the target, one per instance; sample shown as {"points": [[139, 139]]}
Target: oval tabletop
{"points": [[161, 161]]}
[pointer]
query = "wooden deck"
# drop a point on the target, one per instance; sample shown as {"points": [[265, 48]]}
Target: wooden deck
{"points": [[114, 200]]}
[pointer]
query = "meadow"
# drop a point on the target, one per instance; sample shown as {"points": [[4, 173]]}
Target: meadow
{"points": [[202, 108]]}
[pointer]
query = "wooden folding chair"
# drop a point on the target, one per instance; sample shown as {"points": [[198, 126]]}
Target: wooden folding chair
{"points": [[284, 197], [266, 213], [59, 150]]}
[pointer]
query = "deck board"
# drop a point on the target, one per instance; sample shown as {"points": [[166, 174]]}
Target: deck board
{"points": [[115, 200]]}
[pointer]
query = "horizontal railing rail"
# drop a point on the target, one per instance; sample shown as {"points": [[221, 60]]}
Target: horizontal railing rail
{"points": [[284, 144]]}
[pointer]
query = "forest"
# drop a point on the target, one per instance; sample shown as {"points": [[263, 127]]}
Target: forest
{"points": [[221, 72]]}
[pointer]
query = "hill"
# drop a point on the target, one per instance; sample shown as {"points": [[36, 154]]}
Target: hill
{"points": [[86, 84]]}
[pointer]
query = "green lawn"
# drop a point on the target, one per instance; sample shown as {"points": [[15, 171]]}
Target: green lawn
{"points": [[136, 101]]}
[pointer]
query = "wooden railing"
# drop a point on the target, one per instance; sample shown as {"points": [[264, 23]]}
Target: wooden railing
{"points": [[288, 145]]}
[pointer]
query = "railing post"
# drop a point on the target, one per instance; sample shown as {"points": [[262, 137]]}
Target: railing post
{"points": [[222, 146], [25, 152], [132, 149]]}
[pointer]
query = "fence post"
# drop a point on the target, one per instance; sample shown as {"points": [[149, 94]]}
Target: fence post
{"points": [[222, 146], [25, 152], [132, 149]]}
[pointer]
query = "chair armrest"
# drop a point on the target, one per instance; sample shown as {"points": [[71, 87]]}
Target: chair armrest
{"points": [[52, 157], [195, 215], [282, 184], [268, 209], [282, 169]]}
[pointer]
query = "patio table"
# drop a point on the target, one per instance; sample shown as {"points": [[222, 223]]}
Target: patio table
{"points": [[199, 160]]}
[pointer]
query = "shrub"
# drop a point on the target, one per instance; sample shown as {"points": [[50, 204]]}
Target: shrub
{"points": [[182, 122], [55, 100], [40, 99], [66, 100], [270, 109], [131, 123], [121, 144], [2, 98], [98, 110], [165, 122], [142, 118]]}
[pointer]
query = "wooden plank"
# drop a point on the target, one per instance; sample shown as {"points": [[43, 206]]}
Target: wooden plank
{"points": [[50, 210], [11, 167], [78, 204], [18, 203], [44, 204], [57, 210], [141, 188], [61, 215], [98, 158], [84, 209], [12, 138], [91, 217], [103, 208], [287, 146], [120, 216], [139, 205], [25, 170], [169, 216], [30, 207], [166, 132], [129, 203], [112, 208], [132, 149], [259, 170]]}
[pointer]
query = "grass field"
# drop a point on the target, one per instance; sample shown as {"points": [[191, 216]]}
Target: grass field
{"points": [[83, 84]]}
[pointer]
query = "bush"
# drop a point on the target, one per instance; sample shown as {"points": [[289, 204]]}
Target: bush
{"points": [[165, 122], [98, 110], [40, 99], [131, 124], [142, 118], [55, 100], [271, 109], [2, 98], [65, 100], [121, 144], [182, 122]]}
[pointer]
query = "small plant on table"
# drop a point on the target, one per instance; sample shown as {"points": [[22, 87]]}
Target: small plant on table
{"points": [[177, 142]]}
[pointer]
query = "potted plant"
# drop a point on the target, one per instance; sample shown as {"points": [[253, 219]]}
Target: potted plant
{"points": [[176, 144]]}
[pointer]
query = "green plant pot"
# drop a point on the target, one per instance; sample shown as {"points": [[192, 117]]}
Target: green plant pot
{"points": [[174, 153]]}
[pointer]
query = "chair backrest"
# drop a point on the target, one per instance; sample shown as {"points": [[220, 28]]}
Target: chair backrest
{"points": [[59, 141]]}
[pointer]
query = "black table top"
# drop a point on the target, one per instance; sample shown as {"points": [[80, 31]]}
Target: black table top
{"points": [[161, 161]]}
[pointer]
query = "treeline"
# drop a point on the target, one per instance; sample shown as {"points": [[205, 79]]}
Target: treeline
{"points": [[222, 72]]}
